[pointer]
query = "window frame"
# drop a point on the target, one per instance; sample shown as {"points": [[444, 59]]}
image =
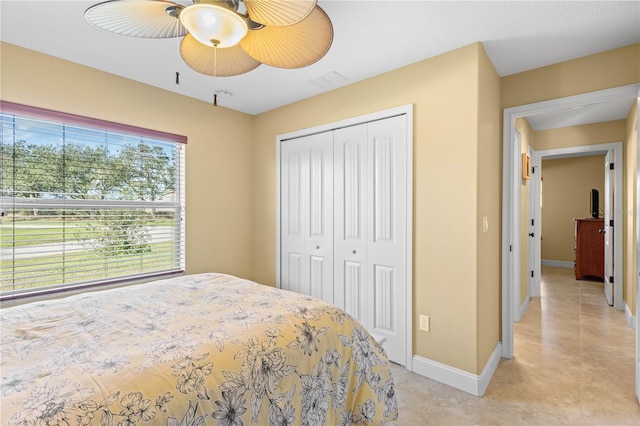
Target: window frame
{"points": [[36, 113]]}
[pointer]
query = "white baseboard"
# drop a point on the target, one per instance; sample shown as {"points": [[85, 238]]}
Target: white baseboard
{"points": [[523, 309], [631, 320], [459, 379], [558, 263]]}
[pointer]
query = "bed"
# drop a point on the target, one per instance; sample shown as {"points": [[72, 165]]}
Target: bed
{"points": [[203, 349]]}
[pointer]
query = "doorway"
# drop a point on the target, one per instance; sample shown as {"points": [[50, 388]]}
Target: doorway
{"points": [[511, 203], [612, 186]]}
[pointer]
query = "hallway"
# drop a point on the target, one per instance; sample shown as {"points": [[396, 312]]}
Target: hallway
{"points": [[573, 364]]}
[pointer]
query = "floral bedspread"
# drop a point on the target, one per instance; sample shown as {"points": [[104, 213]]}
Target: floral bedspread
{"points": [[206, 349]]}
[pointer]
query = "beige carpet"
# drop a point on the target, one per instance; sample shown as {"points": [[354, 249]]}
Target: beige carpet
{"points": [[573, 365]]}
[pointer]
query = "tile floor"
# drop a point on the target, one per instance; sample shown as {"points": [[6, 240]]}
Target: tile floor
{"points": [[573, 364]]}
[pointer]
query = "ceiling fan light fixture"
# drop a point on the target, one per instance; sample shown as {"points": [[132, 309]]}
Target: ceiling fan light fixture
{"points": [[293, 46], [146, 19], [218, 38], [213, 25]]}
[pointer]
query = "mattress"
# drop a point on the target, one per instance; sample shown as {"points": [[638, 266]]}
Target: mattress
{"points": [[193, 350]]}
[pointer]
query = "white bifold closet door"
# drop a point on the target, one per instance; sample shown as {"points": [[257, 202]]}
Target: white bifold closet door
{"points": [[307, 215], [346, 189], [369, 222]]}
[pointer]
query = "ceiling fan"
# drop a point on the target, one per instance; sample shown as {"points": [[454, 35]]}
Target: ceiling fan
{"points": [[221, 38]]}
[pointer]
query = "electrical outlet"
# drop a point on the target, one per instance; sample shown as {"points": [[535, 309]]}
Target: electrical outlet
{"points": [[424, 322]]}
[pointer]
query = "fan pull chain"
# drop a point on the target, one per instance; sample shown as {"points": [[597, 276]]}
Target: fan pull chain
{"points": [[215, 68], [177, 50]]}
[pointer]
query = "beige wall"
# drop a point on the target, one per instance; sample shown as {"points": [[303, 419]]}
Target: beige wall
{"points": [[605, 70], [566, 190], [219, 175], [589, 134], [630, 203], [445, 92], [489, 194]]}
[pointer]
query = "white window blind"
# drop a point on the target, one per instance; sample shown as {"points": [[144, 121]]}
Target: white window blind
{"points": [[85, 202]]}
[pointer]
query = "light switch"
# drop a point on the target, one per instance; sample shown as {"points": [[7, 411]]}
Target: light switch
{"points": [[485, 224]]}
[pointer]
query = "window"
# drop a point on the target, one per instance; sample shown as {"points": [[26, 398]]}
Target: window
{"points": [[85, 202]]}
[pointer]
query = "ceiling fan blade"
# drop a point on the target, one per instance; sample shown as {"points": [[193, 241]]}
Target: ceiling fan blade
{"points": [[294, 46], [230, 61], [142, 18], [279, 12]]}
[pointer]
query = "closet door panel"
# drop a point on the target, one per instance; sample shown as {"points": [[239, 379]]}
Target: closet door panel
{"points": [[384, 288], [350, 226], [383, 190], [307, 215], [353, 272], [294, 270], [319, 219], [317, 277], [386, 246], [292, 217]]}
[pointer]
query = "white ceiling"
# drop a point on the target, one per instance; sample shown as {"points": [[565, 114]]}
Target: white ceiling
{"points": [[574, 116], [370, 38]]}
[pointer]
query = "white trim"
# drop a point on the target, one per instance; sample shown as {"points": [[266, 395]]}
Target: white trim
{"points": [[459, 379], [406, 110], [558, 263], [536, 214], [637, 248], [577, 151], [517, 191], [523, 308], [278, 213], [509, 220], [532, 274], [354, 121], [632, 321]]}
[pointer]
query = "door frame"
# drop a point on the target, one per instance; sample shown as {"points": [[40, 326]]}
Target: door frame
{"points": [[406, 110], [535, 213], [611, 193], [579, 151], [637, 245], [510, 209], [514, 266]]}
